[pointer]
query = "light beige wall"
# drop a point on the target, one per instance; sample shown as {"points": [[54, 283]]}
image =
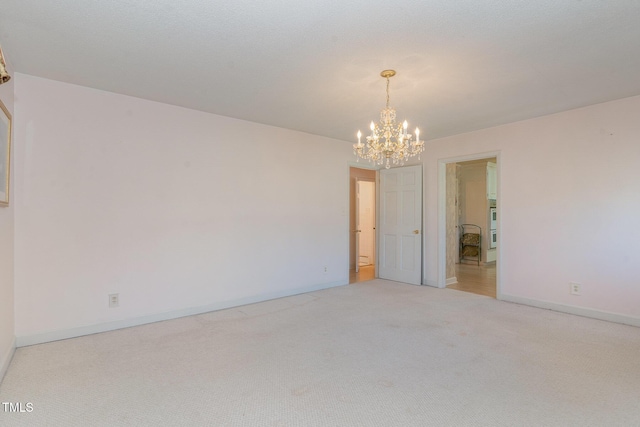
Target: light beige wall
{"points": [[7, 332], [148, 200], [568, 206], [452, 220]]}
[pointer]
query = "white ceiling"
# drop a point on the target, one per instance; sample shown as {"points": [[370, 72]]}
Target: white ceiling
{"points": [[314, 65]]}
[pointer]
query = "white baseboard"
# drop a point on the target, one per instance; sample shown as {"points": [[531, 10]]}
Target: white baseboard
{"points": [[6, 359], [570, 309], [26, 340], [433, 283]]}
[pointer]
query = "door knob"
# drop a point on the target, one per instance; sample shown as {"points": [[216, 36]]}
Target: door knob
{"points": [[416, 231]]}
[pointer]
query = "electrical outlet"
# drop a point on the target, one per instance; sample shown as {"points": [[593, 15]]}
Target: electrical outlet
{"points": [[326, 268], [114, 300], [575, 288]]}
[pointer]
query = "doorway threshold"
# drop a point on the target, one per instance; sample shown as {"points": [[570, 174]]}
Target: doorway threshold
{"points": [[366, 273]]}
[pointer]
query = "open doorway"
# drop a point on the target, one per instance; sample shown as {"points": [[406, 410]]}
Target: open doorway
{"points": [[471, 226], [362, 223]]}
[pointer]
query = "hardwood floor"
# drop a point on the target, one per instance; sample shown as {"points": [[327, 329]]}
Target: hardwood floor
{"points": [[367, 272], [476, 279], [471, 278]]}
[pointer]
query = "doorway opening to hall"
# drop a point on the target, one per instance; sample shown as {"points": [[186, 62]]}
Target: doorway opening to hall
{"points": [[362, 225], [472, 226]]}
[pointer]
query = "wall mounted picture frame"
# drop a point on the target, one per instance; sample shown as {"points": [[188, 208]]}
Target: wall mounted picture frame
{"points": [[5, 154]]}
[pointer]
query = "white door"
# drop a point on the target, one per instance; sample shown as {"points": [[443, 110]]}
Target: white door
{"points": [[400, 256], [365, 222], [358, 231]]}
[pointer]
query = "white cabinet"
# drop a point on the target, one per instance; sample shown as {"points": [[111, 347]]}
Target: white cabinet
{"points": [[492, 181]]}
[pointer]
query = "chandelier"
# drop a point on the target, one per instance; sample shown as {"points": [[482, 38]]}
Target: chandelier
{"points": [[388, 141]]}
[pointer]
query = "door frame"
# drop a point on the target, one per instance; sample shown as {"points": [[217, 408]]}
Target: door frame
{"points": [[376, 169], [442, 215], [375, 220]]}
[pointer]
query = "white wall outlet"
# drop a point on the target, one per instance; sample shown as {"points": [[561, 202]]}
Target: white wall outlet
{"points": [[326, 269], [575, 288], [114, 300]]}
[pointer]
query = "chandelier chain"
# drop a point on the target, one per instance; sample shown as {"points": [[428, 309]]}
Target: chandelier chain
{"points": [[387, 92]]}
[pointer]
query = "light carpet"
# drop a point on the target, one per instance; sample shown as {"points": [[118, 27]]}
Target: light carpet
{"points": [[378, 353]]}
